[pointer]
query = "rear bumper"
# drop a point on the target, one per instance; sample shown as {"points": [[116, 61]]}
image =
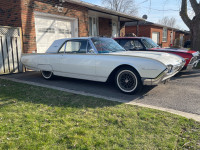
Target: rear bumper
{"points": [[163, 76]]}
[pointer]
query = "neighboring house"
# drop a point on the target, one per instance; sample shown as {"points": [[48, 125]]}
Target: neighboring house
{"points": [[43, 21], [162, 35], [181, 37]]}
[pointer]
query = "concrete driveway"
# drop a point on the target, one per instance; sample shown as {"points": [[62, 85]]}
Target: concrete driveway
{"points": [[182, 93]]}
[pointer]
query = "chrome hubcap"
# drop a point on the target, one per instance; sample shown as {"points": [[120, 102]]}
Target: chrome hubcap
{"points": [[47, 74], [127, 81]]}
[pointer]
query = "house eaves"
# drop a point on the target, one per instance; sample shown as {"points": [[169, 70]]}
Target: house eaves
{"points": [[148, 23], [103, 10]]}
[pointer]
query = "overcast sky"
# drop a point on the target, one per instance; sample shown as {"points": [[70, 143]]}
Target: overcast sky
{"points": [[156, 10]]}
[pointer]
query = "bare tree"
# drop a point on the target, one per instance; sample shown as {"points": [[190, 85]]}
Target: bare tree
{"points": [[194, 23], [124, 6], [170, 22]]}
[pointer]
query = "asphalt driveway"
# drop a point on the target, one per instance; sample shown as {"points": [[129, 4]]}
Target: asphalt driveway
{"points": [[181, 93]]}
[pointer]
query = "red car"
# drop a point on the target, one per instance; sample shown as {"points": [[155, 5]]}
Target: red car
{"points": [[144, 43]]}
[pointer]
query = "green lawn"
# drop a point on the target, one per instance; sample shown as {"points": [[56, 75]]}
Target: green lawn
{"points": [[35, 118]]}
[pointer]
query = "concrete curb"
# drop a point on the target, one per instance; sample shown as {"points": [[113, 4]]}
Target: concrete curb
{"points": [[180, 113]]}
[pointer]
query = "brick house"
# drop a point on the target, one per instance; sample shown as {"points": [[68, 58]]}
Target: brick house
{"points": [[162, 35], [43, 21], [181, 37]]}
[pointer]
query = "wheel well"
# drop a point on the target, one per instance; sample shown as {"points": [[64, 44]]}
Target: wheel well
{"points": [[112, 74]]}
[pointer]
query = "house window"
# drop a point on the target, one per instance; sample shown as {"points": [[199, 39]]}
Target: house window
{"points": [[164, 39], [93, 26]]}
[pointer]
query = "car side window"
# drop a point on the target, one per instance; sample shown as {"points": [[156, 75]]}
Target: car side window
{"points": [[131, 44], [62, 49], [74, 46], [117, 40]]}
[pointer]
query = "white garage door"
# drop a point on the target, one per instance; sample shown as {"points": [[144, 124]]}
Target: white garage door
{"points": [[156, 37], [49, 29]]}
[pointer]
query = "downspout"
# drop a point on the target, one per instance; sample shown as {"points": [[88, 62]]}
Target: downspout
{"points": [[118, 26], [137, 28]]}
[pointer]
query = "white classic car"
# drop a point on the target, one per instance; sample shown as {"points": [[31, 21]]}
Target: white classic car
{"points": [[101, 59]]}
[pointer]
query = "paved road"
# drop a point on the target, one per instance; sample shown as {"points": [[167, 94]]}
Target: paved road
{"points": [[181, 93]]}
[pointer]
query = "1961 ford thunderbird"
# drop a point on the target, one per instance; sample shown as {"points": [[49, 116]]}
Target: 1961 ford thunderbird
{"points": [[101, 59]]}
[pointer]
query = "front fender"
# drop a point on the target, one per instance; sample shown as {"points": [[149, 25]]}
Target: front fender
{"points": [[147, 68]]}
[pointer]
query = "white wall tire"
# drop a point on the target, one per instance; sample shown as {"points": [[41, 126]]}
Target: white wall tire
{"points": [[47, 74], [127, 80]]}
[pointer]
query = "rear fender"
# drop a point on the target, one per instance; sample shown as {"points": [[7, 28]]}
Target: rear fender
{"points": [[45, 67]]}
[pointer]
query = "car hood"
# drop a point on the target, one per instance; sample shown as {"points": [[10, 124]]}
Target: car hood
{"points": [[165, 58]]}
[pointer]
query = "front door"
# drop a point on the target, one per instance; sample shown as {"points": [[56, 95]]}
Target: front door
{"points": [[156, 37], [114, 29], [93, 26], [75, 61]]}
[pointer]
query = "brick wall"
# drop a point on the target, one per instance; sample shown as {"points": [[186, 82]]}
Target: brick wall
{"points": [[20, 13], [144, 31], [105, 27], [10, 13]]}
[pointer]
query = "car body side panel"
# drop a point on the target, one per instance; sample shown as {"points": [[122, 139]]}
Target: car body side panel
{"points": [[83, 64], [91, 67]]}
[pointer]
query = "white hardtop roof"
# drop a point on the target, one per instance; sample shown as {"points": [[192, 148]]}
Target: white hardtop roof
{"points": [[58, 43]]}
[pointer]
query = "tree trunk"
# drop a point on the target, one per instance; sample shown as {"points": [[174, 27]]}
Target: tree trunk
{"points": [[195, 33], [194, 24]]}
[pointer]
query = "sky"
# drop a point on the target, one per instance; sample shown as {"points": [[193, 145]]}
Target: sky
{"points": [[156, 10]]}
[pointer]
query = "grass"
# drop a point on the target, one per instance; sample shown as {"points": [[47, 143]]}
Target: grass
{"points": [[39, 118]]}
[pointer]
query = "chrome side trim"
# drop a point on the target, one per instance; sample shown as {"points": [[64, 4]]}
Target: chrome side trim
{"points": [[195, 54]]}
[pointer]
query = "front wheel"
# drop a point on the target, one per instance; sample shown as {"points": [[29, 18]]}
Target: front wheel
{"points": [[47, 74], [128, 80]]}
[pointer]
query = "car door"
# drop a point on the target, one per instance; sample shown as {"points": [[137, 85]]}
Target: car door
{"points": [[75, 59]]}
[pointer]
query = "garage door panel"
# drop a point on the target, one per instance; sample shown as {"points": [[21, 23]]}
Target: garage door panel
{"points": [[41, 21], [64, 29], [49, 29]]}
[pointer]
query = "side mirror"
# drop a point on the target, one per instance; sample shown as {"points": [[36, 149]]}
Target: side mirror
{"points": [[91, 51]]}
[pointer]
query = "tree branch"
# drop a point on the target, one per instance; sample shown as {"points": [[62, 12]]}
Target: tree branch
{"points": [[184, 14], [195, 6]]}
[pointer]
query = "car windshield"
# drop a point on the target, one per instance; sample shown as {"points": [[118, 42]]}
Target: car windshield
{"points": [[106, 45], [149, 43]]}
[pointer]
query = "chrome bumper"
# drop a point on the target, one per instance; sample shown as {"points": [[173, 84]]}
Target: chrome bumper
{"points": [[163, 76], [193, 65], [155, 81]]}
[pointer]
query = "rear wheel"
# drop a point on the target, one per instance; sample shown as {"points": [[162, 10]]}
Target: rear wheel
{"points": [[128, 80], [47, 74]]}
